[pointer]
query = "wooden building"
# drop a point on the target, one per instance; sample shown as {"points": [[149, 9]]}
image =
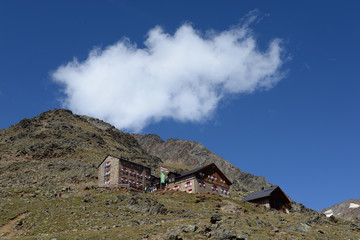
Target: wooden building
{"points": [[207, 179], [272, 197], [155, 183], [121, 172]]}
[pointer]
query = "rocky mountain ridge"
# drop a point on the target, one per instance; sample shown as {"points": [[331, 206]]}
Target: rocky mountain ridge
{"points": [[349, 209], [194, 154]]}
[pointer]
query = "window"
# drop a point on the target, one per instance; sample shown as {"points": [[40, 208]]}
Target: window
{"points": [[124, 180], [132, 182], [224, 191], [107, 182], [107, 164], [176, 187], [214, 188], [107, 173], [188, 185], [201, 184]]}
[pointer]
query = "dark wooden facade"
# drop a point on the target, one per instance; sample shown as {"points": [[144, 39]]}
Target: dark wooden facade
{"points": [[270, 198]]}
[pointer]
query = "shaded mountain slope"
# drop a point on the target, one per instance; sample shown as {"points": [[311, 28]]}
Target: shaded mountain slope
{"points": [[193, 154]]}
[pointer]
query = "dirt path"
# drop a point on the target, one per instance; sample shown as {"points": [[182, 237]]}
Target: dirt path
{"points": [[7, 230]]}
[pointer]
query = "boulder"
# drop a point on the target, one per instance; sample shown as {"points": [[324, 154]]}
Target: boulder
{"points": [[215, 218]]}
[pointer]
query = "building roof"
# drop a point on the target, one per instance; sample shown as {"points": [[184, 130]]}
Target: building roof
{"points": [[122, 158], [175, 173], [263, 194], [196, 170], [259, 194]]}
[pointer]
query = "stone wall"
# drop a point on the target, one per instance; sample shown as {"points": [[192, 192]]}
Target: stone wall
{"points": [[101, 173], [114, 172]]}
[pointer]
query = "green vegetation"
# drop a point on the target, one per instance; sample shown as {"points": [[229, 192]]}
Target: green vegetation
{"points": [[106, 214]]}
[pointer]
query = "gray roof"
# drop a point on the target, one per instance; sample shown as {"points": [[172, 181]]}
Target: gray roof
{"points": [[125, 159], [259, 194], [194, 170]]}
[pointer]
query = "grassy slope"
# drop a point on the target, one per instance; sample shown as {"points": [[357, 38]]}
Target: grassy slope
{"points": [[106, 215]]}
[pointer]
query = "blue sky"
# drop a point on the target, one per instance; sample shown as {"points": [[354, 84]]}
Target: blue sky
{"points": [[301, 133]]}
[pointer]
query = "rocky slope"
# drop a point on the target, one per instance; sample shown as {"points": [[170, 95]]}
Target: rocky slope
{"points": [[349, 209], [58, 147], [106, 214], [189, 153]]}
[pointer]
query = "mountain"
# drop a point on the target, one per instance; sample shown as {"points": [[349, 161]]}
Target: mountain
{"points": [[176, 152], [349, 209], [59, 147], [65, 148]]}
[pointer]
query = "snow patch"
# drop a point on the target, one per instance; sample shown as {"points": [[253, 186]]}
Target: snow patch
{"points": [[329, 213], [354, 205]]}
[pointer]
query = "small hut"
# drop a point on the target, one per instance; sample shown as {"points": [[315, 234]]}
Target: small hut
{"points": [[272, 197]]}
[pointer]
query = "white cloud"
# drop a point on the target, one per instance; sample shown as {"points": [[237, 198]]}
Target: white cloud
{"points": [[181, 76]]}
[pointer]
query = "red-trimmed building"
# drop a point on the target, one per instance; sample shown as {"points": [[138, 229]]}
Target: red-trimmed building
{"points": [[207, 179], [121, 172]]}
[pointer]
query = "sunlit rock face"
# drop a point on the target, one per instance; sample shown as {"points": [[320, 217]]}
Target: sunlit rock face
{"points": [[349, 209]]}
